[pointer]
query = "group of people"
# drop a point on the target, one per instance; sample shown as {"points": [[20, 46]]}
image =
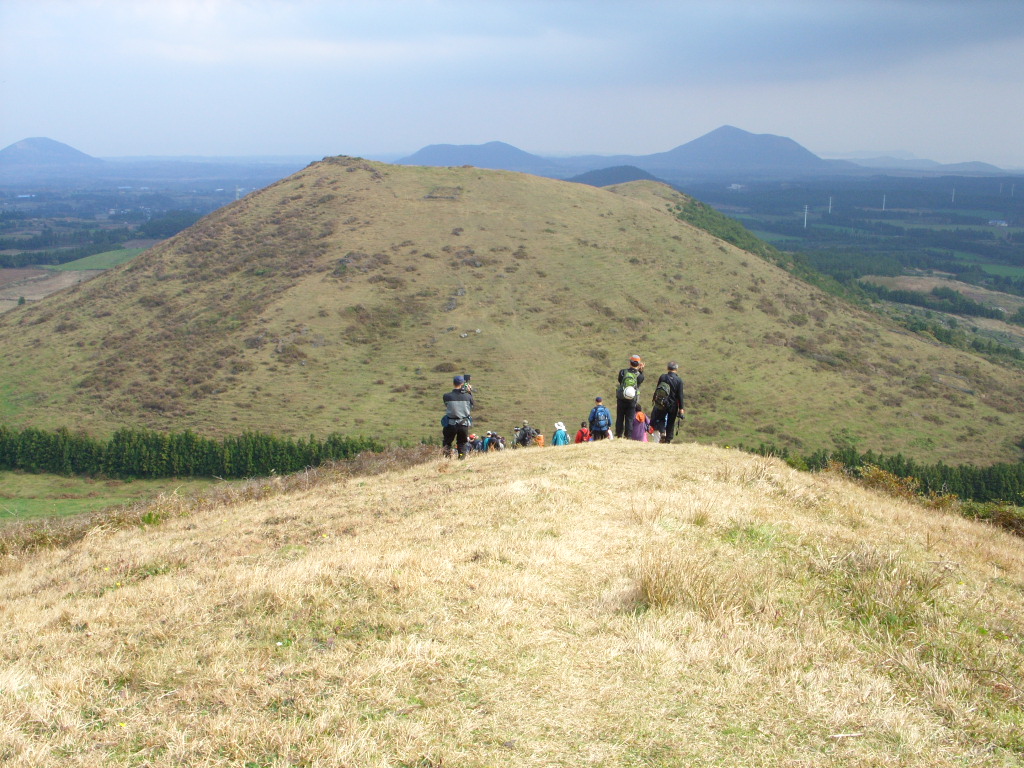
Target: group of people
{"points": [[490, 441], [631, 421]]}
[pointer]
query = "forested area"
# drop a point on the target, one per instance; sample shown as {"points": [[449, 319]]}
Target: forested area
{"points": [[1002, 482], [52, 246], [940, 299], [138, 453], [970, 227]]}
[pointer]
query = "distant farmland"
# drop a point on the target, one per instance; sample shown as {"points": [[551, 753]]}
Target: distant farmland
{"points": [[104, 260]]}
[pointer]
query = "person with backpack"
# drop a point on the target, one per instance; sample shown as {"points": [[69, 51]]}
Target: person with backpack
{"points": [[525, 435], [668, 403], [458, 405], [561, 437], [628, 395], [600, 420], [583, 433]]}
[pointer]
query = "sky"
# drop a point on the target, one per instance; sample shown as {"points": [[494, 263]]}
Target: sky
{"points": [[938, 79]]}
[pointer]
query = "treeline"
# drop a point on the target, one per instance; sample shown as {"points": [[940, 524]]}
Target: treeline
{"points": [[63, 256], [169, 225], [50, 238], [721, 226], [998, 482], [940, 299], [139, 454]]}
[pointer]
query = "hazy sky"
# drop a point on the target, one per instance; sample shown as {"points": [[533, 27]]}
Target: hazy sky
{"points": [[941, 79]]}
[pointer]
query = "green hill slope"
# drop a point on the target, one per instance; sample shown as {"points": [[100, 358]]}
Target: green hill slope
{"points": [[343, 298], [613, 604]]}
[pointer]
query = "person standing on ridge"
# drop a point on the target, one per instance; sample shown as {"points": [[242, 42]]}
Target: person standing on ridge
{"points": [[600, 420], [668, 403], [583, 434], [457, 419], [561, 437], [627, 395]]}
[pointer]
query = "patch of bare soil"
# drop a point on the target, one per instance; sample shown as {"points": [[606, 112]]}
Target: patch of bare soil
{"points": [[37, 284], [8, 276]]}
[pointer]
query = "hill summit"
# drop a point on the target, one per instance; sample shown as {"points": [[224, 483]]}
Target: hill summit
{"points": [[344, 298]]}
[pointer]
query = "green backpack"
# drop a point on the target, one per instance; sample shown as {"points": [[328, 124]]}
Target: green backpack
{"points": [[663, 395], [630, 379]]}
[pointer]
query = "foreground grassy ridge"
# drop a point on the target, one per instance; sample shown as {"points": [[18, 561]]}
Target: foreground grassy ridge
{"points": [[607, 605]]}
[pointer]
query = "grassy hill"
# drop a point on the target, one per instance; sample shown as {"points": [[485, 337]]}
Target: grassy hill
{"points": [[343, 298], [615, 604]]}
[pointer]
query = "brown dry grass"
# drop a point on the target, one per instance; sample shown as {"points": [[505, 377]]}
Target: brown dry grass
{"points": [[615, 604]]}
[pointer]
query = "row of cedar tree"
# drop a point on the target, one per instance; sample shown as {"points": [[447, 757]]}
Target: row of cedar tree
{"points": [[135, 453], [1001, 482]]}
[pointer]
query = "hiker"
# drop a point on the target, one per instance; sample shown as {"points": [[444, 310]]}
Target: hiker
{"points": [[457, 419], [525, 435], [600, 420], [641, 426], [583, 434], [668, 403], [561, 437], [627, 395]]}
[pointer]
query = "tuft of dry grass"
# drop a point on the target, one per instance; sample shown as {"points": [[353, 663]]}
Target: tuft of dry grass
{"points": [[612, 604]]}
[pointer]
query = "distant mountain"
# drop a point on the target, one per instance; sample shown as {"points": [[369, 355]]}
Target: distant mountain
{"points": [[731, 150], [726, 152], [928, 166], [970, 168], [44, 152], [51, 163], [619, 174], [495, 155]]}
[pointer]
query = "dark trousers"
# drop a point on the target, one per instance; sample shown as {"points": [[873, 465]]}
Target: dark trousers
{"points": [[665, 421], [457, 433], [625, 412]]}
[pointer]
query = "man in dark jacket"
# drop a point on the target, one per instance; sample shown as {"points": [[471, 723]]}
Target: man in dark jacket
{"points": [[663, 417], [457, 420], [625, 402]]}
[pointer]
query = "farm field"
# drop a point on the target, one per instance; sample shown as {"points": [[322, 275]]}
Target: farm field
{"points": [[34, 284], [104, 260], [25, 496]]}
